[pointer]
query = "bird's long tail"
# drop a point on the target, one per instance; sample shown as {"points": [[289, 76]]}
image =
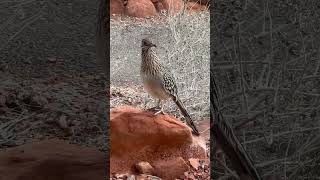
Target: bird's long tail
{"points": [[186, 115], [228, 141]]}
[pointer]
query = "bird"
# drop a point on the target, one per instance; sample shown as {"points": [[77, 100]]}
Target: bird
{"points": [[227, 140], [159, 82]]}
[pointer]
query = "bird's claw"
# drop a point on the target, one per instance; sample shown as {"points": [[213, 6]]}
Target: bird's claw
{"points": [[159, 112], [154, 109]]}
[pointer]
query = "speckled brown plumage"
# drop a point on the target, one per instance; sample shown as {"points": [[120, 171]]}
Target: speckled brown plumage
{"points": [[158, 80]]}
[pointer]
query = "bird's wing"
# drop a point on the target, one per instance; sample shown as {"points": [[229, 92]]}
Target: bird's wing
{"points": [[169, 84]]}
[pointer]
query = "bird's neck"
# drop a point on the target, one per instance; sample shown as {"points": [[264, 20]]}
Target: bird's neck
{"points": [[145, 50], [149, 59]]}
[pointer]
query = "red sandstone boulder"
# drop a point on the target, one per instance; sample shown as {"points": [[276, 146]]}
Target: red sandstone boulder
{"points": [[141, 8], [137, 135], [116, 7], [52, 160], [158, 5], [195, 7], [202, 2], [173, 6], [134, 129], [147, 8]]}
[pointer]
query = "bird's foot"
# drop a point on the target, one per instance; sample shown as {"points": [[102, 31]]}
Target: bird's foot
{"points": [[154, 109], [157, 110]]}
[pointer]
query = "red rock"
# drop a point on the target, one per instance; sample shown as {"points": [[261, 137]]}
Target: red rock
{"points": [[144, 168], [52, 160], [194, 163], [195, 7], [139, 177], [191, 177], [158, 5], [170, 169], [137, 135], [202, 2], [134, 129], [173, 6], [205, 161], [140, 8], [116, 7]]}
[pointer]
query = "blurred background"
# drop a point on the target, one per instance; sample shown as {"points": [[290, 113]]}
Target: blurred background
{"points": [[49, 83]]}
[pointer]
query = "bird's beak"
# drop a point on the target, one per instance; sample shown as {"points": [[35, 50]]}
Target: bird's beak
{"points": [[154, 45]]}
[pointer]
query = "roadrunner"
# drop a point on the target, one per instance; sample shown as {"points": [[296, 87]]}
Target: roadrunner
{"points": [[159, 82]]}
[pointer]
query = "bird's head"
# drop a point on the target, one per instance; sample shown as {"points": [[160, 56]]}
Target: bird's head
{"points": [[146, 43]]}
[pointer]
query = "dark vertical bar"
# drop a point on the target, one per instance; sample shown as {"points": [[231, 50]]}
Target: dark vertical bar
{"points": [[212, 141], [103, 61], [222, 131]]}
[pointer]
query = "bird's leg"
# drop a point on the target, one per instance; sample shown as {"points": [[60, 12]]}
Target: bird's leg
{"points": [[156, 108], [160, 105]]}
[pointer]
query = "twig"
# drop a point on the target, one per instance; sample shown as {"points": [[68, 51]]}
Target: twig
{"points": [[26, 24], [228, 169], [244, 96], [282, 134]]}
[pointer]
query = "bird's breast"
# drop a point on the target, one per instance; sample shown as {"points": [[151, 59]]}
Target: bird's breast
{"points": [[154, 87]]}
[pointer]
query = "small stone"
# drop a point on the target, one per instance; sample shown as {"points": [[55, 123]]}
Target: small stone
{"points": [[11, 101], [62, 122], [194, 163], [131, 177], [144, 168], [38, 102], [144, 177], [121, 176], [52, 59], [204, 163], [191, 177], [25, 97]]}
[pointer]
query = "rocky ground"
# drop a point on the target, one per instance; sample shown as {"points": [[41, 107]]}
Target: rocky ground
{"points": [[58, 106], [199, 169]]}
